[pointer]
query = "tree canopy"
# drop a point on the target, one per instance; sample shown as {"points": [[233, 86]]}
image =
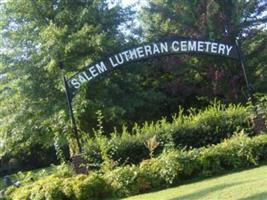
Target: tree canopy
{"points": [[222, 20], [42, 40]]}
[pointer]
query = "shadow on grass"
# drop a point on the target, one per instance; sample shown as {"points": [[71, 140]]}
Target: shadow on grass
{"points": [[200, 178], [196, 196], [202, 193], [259, 196]]}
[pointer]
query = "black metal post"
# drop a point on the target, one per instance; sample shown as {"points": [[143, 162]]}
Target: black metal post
{"points": [[73, 123], [249, 86]]}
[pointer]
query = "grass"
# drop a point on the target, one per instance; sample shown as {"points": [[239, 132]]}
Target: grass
{"points": [[246, 185], [34, 174]]}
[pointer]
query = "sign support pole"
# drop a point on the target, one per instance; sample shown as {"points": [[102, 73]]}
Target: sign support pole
{"points": [[249, 86], [73, 123]]}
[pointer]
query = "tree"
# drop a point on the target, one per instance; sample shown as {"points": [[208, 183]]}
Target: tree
{"points": [[221, 20], [42, 40]]}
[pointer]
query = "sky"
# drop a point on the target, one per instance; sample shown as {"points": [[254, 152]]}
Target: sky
{"points": [[138, 3], [124, 2], [128, 2]]}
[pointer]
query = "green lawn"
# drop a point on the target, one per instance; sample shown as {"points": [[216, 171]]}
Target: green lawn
{"points": [[245, 185]]}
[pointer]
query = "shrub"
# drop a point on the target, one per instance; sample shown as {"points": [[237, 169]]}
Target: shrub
{"points": [[48, 188], [124, 181], [240, 151], [197, 129], [127, 149], [171, 167], [91, 187], [211, 125], [177, 165], [160, 172], [81, 187]]}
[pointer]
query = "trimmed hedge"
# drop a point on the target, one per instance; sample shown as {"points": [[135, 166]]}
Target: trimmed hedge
{"points": [[171, 167], [196, 129]]}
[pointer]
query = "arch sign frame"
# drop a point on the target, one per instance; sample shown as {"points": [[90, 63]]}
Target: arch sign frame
{"points": [[174, 45]]}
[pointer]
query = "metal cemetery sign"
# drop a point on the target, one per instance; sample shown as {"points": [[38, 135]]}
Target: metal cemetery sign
{"points": [[165, 47], [176, 45]]}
